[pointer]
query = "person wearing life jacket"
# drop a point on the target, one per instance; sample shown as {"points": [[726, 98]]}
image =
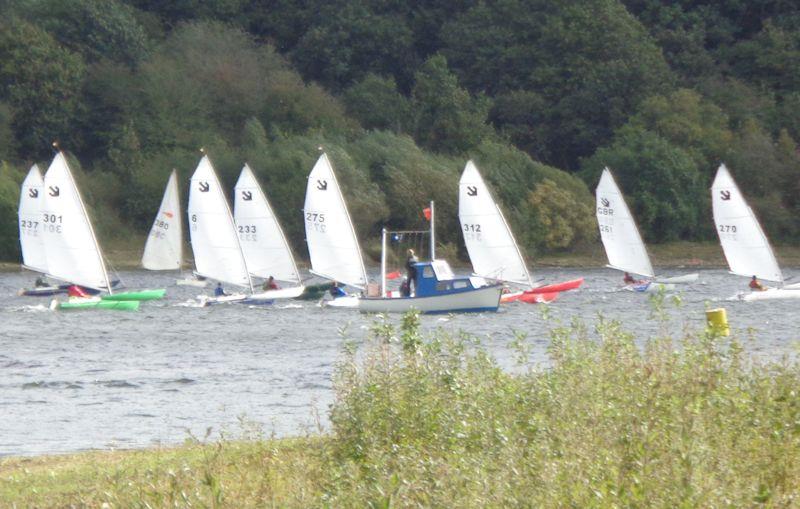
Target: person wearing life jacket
{"points": [[336, 291], [629, 280], [270, 284], [77, 291], [756, 285], [219, 291]]}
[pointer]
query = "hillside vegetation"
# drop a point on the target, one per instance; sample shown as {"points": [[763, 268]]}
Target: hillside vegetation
{"points": [[542, 95]]}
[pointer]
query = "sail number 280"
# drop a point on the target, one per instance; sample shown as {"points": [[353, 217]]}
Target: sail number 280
{"points": [[316, 221]]}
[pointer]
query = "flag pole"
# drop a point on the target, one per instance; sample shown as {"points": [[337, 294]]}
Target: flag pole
{"points": [[433, 232]]}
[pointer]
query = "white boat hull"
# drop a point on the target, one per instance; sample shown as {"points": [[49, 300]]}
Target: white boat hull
{"points": [[197, 283], [686, 278], [481, 299], [270, 295], [769, 294]]}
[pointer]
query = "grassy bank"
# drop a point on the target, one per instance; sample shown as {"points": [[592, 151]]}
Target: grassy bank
{"points": [[435, 422]]}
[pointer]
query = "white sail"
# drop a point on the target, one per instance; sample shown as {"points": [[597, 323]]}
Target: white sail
{"points": [[31, 238], [164, 247], [332, 242], [746, 247], [263, 243], [217, 252], [491, 246], [623, 244], [70, 244]]}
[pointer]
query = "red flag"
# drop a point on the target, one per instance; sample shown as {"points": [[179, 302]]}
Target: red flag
{"points": [[427, 213], [393, 275]]}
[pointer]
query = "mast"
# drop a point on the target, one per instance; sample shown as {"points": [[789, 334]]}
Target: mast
{"points": [[433, 231], [383, 262]]}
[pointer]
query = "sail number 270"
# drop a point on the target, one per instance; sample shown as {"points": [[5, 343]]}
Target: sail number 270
{"points": [[727, 228], [316, 221]]}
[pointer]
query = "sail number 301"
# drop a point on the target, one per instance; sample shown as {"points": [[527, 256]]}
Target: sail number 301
{"points": [[316, 221]]}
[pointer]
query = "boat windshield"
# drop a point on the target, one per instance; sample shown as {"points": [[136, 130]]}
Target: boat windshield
{"points": [[442, 270]]}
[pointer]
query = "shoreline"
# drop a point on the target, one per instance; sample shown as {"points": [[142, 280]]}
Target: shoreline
{"points": [[674, 255]]}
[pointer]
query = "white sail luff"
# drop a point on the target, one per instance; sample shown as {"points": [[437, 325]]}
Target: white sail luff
{"points": [[332, 242], [164, 247], [30, 221], [492, 249], [623, 244], [71, 247], [215, 244], [263, 243], [743, 241]]}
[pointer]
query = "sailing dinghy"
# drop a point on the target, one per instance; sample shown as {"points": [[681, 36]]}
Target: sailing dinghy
{"points": [[70, 245], [264, 245], [492, 249], [623, 243], [336, 255], [215, 244], [743, 241]]}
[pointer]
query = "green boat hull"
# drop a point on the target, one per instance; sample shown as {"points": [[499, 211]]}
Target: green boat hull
{"points": [[135, 296], [119, 305]]}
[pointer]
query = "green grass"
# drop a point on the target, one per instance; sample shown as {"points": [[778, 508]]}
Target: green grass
{"points": [[431, 420]]}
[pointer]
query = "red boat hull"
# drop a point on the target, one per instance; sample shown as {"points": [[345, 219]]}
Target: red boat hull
{"points": [[558, 287]]}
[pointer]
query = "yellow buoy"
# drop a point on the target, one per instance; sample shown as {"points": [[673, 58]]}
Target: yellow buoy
{"points": [[717, 321]]}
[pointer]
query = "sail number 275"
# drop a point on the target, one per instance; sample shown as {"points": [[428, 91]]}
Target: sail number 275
{"points": [[316, 221]]}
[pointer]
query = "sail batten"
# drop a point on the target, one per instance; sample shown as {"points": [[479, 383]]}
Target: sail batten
{"points": [[492, 249], [164, 247], [264, 245], [623, 244], [215, 244], [743, 241], [332, 242]]}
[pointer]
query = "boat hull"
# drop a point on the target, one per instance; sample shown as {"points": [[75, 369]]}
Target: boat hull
{"points": [[650, 287], [197, 283], [684, 279], [769, 294], [78, 304], [44, 291], [136, 296], [557, 287], [271, 295], [472, 301]]}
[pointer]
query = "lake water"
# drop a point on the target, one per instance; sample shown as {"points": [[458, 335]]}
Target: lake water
{"points": [[72, 381]]}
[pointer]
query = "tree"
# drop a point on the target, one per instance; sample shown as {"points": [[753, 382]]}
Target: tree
{"points": [[448, 118], [376, 103], [41, 81]]}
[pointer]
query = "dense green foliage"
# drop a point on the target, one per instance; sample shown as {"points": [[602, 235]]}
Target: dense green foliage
{"points": [[661, 92], [432, 420]]}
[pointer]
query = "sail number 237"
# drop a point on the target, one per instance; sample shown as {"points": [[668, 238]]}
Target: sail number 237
{"points": [[316, 221]]}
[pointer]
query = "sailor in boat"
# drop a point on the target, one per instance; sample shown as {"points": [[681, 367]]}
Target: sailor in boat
{"points": [[219, 291], [630, 280], [405, 288], [40, 282], [755, 285], [411, 269], [270, 284], [336, 291]]}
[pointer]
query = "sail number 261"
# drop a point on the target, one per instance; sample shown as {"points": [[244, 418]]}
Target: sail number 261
{"points": [[316, 221]]}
